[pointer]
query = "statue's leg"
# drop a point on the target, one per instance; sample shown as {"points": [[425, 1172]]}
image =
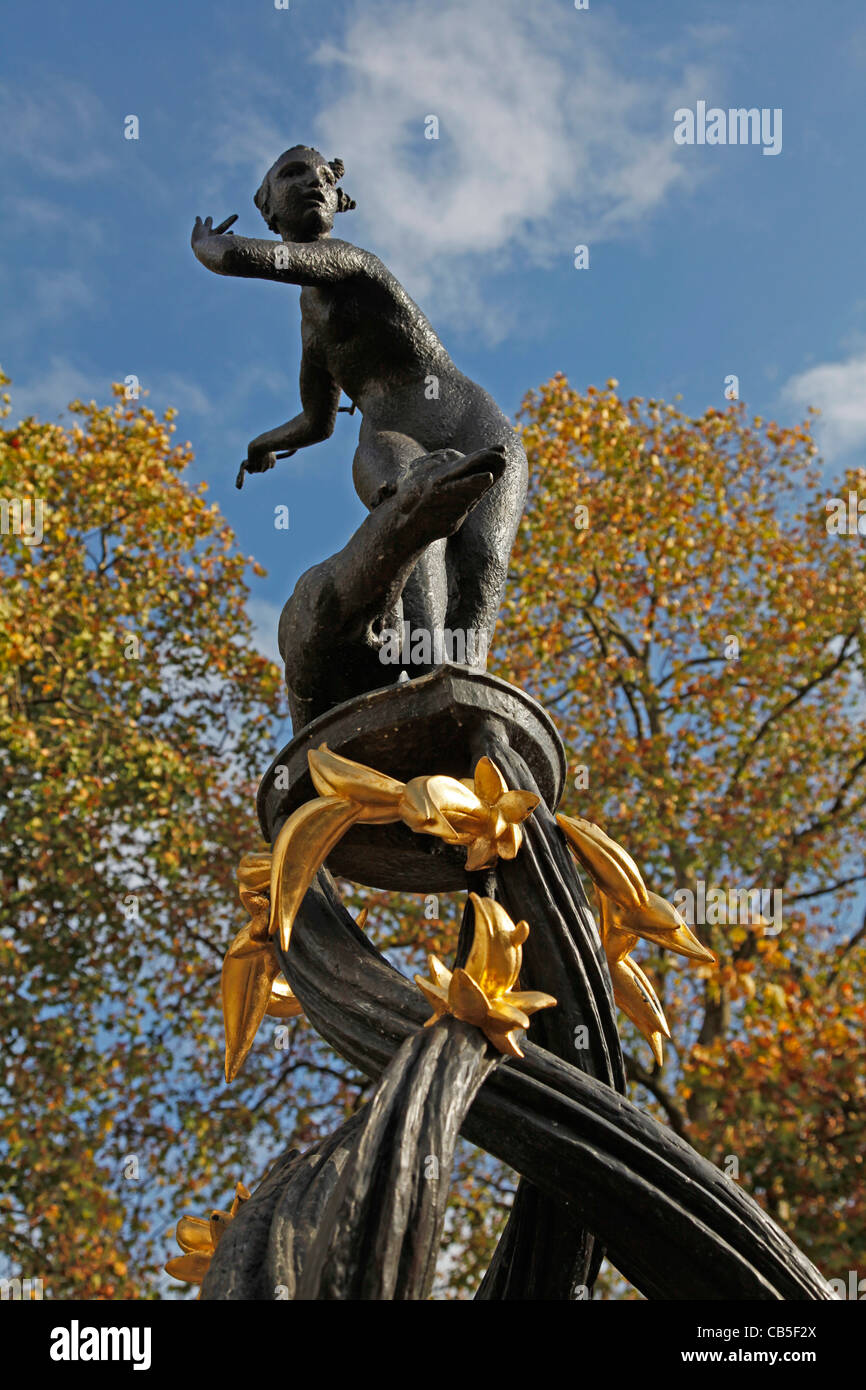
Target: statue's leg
{"points": [[383, 458], [477, 556]]}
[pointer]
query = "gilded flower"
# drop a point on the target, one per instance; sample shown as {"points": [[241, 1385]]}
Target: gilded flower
{"points": [[482, 992], [480, 812], [199, 1239]]}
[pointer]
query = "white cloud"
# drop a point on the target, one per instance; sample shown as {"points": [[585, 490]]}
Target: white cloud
{"points": [[57, 293], [57, 127], [554, 129], [180, 392], [546, 137], [47, 394], [838, 389], [36, 214]]}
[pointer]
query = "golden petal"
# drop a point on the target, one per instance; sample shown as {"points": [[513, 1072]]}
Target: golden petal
{"points": [[482, 853], [254, 872], [242, 1194], [300, 850], [466, 999], [530, 1000], [509, 842], [190, 1268], [660, 923], [636, 997], [683, 942], [439, 972], [516, 806], [333, 775], [496, 954], [509, 1042], [489, 782], [617, 942], [470, 824], [435, 995], [246, 990], [428, 803], [610, 866], [504, 1015], [283, 1002], [193, 1235], [643, 981], [219, 1220]]}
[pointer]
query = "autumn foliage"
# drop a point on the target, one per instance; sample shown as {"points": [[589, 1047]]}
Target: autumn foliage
{"points": [[135, 720], [679, 606]]}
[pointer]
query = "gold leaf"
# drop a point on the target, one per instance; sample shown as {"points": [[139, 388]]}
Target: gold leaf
{"points": [[432, 805], [246, 990], [435, 995], [336, 776], [517, 805], [300, 850], [495, 957], [611, 867]]}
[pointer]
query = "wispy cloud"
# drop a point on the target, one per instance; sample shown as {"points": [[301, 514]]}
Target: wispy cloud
{"points": [[546, 138], [50, 391], [838, 389], [59, 128], [36, 215], [545, 135], [57, 293]]}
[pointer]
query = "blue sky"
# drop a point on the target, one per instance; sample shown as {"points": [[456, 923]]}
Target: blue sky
{"points": [[556, 128]]}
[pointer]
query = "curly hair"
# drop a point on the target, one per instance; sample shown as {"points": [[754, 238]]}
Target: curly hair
{"points": [[262, 194]]}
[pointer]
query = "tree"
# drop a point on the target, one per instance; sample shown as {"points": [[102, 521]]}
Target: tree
{"points": [[136, 718], [697, 633], [682, 604]]}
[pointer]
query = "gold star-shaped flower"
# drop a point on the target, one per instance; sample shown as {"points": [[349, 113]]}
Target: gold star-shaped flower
{"points": [[479, 812], [482, 992]]}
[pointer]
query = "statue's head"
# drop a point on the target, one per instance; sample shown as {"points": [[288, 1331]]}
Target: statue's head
{"points": [[299, 197]]}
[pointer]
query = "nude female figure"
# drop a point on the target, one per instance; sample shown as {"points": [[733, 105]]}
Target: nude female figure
{"points": [[362, 334]]}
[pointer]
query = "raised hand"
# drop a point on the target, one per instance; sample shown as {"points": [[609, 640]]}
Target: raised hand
{"points": [[202, 231]]}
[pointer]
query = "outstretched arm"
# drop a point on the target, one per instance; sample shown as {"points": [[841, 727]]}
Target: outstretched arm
{"points": [[321, 262], [320, 396]]}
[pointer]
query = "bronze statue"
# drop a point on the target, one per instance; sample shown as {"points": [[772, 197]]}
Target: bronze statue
{"points": [[443, 783], [362, 334]]}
